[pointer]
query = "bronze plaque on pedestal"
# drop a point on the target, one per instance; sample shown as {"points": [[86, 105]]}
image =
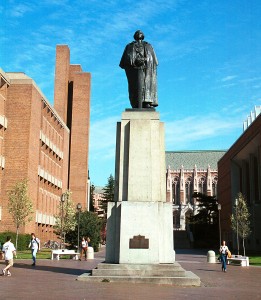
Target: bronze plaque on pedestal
{"points": [[139, 242]]}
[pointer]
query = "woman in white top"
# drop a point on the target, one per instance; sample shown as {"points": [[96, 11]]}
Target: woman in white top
{"points": [[84, 246], [223, 255]]}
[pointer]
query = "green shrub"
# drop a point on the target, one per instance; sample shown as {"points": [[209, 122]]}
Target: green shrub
{"points": [[90, 226], [23, 239]]}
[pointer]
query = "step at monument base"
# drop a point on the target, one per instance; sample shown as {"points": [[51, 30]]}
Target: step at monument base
{"points": [[170, 274]]}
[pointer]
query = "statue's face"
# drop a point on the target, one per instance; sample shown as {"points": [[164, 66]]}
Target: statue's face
{"points": [[138, 35]]}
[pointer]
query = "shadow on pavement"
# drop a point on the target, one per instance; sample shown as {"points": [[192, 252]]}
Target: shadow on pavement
{"points": [[55, 269]]}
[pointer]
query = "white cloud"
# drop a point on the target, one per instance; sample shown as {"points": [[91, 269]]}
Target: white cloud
{"points": [[251, 79], [103, 137], [228, 85], [54, 2], [180, 134], [235, 109], [168, 51], [228, 78], [19, 10]]}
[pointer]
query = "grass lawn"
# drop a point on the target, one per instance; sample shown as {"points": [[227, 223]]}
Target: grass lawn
{"points": [[255, 260], [42, 254]]}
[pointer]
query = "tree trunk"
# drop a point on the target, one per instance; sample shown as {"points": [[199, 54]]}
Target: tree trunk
{"points": [[244, 247], [16, 238]]}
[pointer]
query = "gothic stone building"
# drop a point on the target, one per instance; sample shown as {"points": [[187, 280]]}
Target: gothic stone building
{"points": [[189, 172]]}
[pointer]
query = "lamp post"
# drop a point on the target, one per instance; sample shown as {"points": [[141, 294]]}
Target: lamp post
{"points": [[79, 207], [63, 199], [236, 205], [219, 224]]}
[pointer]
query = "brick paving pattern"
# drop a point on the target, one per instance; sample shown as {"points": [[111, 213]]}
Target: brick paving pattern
{"points": [[57, 280]]}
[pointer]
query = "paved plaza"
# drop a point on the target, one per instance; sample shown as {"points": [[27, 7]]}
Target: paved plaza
{"points": [[58, 280]]}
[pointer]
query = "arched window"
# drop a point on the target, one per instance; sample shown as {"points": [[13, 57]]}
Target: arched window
{"points": [[214, 186], [202, 185], [188, 190], [176, 219], [176, 191]]}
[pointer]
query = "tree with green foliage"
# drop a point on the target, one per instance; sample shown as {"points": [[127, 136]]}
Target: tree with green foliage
{"points": [[207, 209], [108, 194], [65, 221], [92, 190], [204, 224], [20, 205], [90, 226], [240, 219]]}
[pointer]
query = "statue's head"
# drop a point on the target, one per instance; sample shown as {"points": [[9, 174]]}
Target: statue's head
{"points": [[138, 35]]}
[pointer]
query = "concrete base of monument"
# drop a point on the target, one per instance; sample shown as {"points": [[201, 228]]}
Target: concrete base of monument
{"points": [[170, 274], [139, 233]]}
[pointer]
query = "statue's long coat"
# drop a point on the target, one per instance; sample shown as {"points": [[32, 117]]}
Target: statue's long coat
{"points": [[142, 80]]}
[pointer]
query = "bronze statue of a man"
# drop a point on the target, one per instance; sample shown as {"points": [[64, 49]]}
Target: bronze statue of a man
{"points": [[140, 63]]}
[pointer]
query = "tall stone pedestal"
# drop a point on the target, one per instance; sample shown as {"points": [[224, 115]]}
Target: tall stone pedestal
{"points": [[140, 172], [139, 242], [140, 222]]}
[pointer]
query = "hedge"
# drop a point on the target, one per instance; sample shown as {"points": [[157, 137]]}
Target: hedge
{"points": [[22, 243]]}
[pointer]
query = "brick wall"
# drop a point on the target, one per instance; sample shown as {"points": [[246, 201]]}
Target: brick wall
{"points": [[36, 149], [74, 106], [37, 144], [61, 80], [78, 176], [4, 85], [232, 180]]}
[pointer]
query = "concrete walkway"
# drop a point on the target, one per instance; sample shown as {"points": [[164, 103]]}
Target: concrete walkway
{"points": [[57, 280]]}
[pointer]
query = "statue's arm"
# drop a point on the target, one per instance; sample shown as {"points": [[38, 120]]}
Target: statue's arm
{"points": [[127, 57], [150, 48], [123, 59]]}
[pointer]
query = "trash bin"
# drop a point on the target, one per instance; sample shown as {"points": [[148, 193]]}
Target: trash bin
{"points": [[211, 257], [90, 253]]}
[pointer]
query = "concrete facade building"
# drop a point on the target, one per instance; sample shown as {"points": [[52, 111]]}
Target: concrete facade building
{"points": [[240, 171], [45, 145], [189, 172]]}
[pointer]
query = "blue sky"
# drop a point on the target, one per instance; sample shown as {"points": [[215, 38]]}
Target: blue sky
{"points": [[209, 75]]}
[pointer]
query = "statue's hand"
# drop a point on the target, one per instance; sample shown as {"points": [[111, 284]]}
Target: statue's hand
{"points": [[139, 61]]}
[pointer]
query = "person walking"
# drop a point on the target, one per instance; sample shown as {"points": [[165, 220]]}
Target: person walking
{"points": [[223, 255], [34, 246], [84, 246], [9, 252]]}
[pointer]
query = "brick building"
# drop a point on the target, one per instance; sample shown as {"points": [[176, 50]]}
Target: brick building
{"points": [[72, 102], [189, 172], [97, 201], [240, 171], [44, 144], [4, 84]]}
